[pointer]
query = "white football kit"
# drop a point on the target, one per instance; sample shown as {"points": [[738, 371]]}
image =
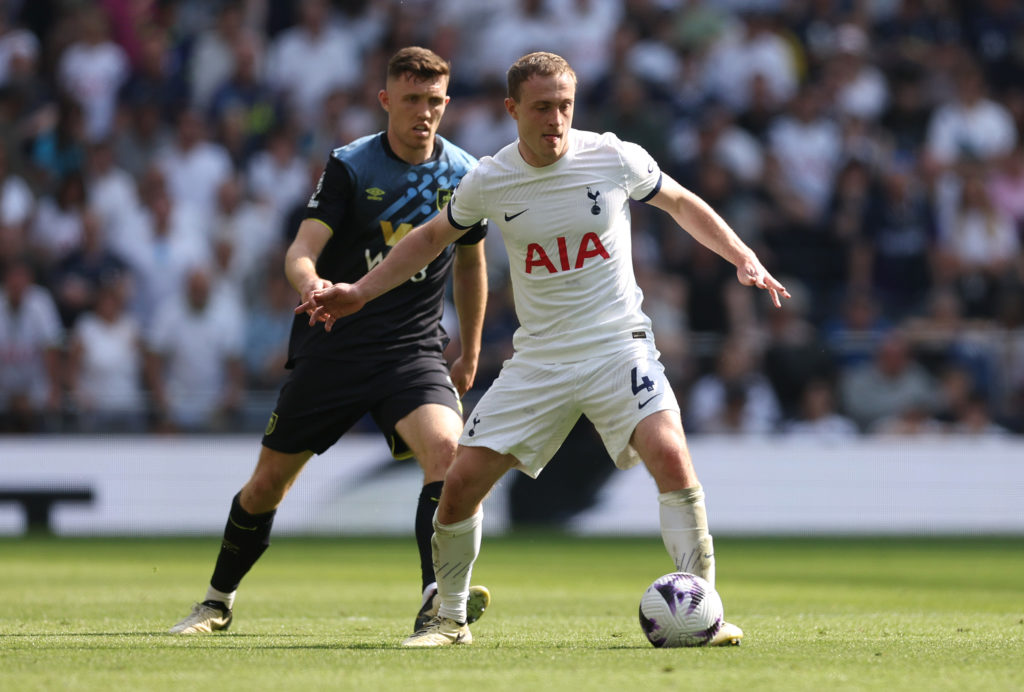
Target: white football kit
{"points": [[584, 345]]}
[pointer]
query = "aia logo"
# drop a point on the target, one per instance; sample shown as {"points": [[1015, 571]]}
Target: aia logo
{"points": [[590, 246]]}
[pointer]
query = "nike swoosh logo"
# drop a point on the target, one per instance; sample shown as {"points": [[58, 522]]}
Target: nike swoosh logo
{"points": [[509, 217], [650, 168], [644, 403]]}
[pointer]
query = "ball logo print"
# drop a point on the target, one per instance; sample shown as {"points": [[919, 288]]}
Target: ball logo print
{"points": [[681, 609]]}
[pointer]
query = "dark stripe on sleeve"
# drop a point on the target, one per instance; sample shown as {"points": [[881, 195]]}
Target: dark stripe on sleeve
{"points": [[652, 193], [456, 224]]}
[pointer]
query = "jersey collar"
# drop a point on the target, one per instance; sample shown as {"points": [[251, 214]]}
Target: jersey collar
{"points": [[438, 149]]}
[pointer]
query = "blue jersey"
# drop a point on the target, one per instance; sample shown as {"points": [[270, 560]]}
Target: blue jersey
{"points": [[370, 199]]}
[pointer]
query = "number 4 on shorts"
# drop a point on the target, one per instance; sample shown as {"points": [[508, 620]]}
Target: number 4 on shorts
{"points": [[644, 383]]}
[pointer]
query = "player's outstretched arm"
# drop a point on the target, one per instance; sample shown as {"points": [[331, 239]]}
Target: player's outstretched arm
{"points": [[469, 284], [412, 253], [697, 218]]}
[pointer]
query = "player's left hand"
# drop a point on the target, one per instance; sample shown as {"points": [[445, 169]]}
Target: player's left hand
{"points": [[463, 373], [752, 273]]}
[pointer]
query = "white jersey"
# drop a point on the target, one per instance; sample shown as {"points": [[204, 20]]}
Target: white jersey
{"points": [[566, 228]]}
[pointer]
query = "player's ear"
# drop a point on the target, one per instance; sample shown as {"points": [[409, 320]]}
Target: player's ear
{"points": [[510, 106], [385, 100]]}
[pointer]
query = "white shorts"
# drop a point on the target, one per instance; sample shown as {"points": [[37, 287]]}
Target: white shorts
{"points": [[532, 406]]}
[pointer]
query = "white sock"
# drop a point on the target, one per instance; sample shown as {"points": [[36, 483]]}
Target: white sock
{"points": [[456, 547], [226, 598], [684, 529]]}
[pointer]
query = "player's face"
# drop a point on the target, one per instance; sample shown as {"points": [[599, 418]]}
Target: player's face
{"points": [[414, 107], [543, 115]]}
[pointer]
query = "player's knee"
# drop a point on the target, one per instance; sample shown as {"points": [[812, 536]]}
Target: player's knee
{"points": [[263, 492], [438, 459]]}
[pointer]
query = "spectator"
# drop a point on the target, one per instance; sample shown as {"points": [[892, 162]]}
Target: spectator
{"points": [[754, 48], [76, 281], [891, 385], [817, 416], [193, 165], [855, 335], [142, 135], [897, 251], [315, 41], [159, 244], [30, 343], [971, 125], [57, 230], [92, 70], [194, 365], [278, 176], [978, 247], [266, 333], [111, 191], [214, 56], [157, 79], [105, 364], [59, 150], [244, 103], [794, 354], [17, 203], [1006, 187], [860, 88], [244, 234], [736, 397], [807, 146]]}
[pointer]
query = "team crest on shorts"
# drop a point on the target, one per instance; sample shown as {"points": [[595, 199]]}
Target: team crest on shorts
{"points": [[271, 424], [444, 195]]}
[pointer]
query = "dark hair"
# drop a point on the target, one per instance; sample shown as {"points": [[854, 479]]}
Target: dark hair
{"points": [[540, 63], [420, 63]]}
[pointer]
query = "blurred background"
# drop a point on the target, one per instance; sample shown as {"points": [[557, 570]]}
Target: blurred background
{"points": [[156, 157]]}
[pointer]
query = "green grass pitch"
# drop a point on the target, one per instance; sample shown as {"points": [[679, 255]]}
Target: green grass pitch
{"points": [[319, 614]]}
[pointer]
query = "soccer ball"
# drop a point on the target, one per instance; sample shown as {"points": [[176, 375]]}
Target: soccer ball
{"points": [[680, 609]]}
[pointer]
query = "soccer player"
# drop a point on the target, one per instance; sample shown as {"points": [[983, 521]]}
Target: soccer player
{"points": [[386, 361], [561, 197]]}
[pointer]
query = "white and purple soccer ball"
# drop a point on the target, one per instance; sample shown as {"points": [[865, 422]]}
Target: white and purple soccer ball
{"points": [[680, 609]]}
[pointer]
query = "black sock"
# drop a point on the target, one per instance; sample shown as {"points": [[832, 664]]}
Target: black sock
{"points": [[429, 497], [246, 536]]}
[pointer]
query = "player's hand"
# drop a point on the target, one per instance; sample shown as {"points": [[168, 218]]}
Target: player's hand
{"points": [[307, 291], [328, 304], [463, 372], [752, 273]]}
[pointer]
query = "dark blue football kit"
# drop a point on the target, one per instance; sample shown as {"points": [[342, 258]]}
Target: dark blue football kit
{"points": [[387, 359]]}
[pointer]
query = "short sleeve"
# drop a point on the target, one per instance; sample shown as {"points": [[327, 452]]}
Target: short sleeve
{"points": [[464, 208], [332, 194], [643, 175]]}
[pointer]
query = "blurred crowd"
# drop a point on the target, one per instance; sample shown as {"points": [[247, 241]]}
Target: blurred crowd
{"points": [[156, 157]]}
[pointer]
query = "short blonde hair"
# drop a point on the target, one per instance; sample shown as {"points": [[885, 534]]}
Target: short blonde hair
{"points": [[540, 63]]}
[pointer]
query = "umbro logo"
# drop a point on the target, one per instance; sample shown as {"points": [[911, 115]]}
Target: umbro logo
{"points": [[509, 217]]}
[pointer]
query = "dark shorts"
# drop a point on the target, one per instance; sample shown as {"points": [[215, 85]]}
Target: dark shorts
{"points": [[321, 400]]}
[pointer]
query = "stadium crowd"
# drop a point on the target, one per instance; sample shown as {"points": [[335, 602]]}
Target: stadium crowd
{"points": [[156, 157]]}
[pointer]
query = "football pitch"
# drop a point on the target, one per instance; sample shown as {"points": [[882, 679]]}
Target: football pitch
{"points": [[329, 614]]}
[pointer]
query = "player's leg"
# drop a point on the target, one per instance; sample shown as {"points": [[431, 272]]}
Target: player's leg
{"points": [[246, 537], [431, 432], [458, 528], [661, 443]]}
